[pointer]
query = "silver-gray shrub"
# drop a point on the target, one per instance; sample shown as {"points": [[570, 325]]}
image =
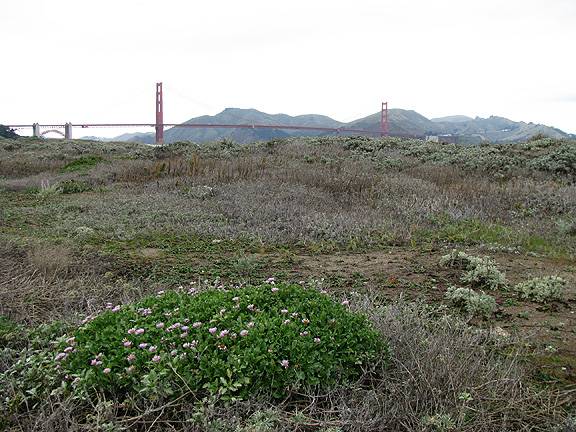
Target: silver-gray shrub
{"points": [[479, 271], [471, 302], [542, 289]]}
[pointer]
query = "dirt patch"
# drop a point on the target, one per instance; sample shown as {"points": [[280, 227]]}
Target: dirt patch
{"points": [[550, 330]]}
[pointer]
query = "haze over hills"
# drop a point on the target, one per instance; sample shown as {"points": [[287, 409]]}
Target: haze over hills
{"points": [[402, 122]]}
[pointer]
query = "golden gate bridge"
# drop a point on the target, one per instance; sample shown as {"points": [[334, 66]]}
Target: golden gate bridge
{"points": [[39, 130]]}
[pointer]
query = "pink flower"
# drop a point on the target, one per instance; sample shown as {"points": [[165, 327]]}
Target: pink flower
{"points": [[130, 369], [139, 331], [160, 293], [274, 290], [284, 311], [305, 321], [108, 305], [68, 349], [156, 358], [212, 330], [116, 308], [186, 345], [183, 335], [250, 307], [304, 333], [143, 345], [145, 312], [173, 352], [152, 349], [285, 364], [107, 371], [160, 325], [184, 328], [197, 324], [243, 333], [294, 314], [345, 302], [95, 362], [71, 341], [224, 333], [285, 322], [127, 343], [132, 331], [60, 356], [250, 324], [131, 357], [270, 280], [236, 299], [317, 339]]}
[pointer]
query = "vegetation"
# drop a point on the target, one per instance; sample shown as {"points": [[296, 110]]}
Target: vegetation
{"points": [[228, 344], [350, 229], [542, 290], [471, 302], [6, 132], [481, 272]]}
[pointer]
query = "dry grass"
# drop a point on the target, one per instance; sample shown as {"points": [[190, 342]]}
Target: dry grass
{"points": [[46, 283]]}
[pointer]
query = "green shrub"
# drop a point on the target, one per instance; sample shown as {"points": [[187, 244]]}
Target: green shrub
{"points": [[82, 164], [542, 290], [229, 344], [74, 186], [473, 303], [480, 271]]}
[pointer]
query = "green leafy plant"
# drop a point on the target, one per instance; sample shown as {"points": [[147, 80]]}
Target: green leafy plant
{"points": [[82, 164], [74, 186], [220, 343], [542, 290], [470, 301]]}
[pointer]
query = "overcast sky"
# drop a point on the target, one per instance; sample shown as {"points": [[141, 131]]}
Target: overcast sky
{"points": [[98, 61]]}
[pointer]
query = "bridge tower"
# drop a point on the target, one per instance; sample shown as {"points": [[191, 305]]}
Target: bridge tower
{"points": [[159, 115], [384, 125], [36, 130], [68, 131]]}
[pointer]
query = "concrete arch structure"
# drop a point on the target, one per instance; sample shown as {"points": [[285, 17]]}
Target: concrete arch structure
{"points": [[67, 134], [53, 130]]}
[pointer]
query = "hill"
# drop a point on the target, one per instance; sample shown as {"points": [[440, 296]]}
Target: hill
{"points": [[402, 122]]}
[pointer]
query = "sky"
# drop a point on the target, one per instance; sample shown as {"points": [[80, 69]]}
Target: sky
{"points": [[98, 61]]}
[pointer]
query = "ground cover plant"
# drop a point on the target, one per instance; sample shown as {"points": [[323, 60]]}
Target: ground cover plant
{"points": [[228, 344], [369, 221]]}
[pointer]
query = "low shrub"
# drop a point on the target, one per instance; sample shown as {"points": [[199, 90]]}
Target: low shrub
{"points": [[74, 186], [456, 259], [269, 339], [483, 272], [82, 164], [473, 303], [542, 290], [480, 271]]}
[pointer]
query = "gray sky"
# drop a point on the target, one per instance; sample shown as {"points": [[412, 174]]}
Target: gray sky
{"points": [[98, 61]]}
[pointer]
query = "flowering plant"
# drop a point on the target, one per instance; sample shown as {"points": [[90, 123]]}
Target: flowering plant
{"points": [[218, 342]]}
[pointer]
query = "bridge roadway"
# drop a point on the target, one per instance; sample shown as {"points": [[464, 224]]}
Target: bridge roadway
{"points": [[68, 127], [202, 125]]}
